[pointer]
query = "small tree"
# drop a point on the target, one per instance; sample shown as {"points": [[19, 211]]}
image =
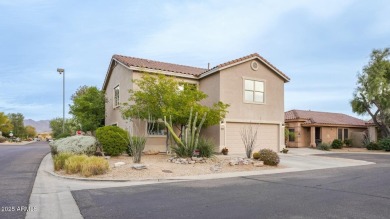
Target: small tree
{"points": [[17, 121], [249, 138], [88, 108], [5, 124], [161, 95], [30, 131], [56, 127]]}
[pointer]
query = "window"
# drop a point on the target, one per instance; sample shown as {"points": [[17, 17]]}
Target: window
{"points": [[291, 135], [345, 134], [156, 128], [116, 96], [253, 91], [340, 134]]}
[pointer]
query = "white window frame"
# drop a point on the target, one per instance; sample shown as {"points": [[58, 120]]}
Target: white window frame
{"points": [[116, 102], [253, 90]]}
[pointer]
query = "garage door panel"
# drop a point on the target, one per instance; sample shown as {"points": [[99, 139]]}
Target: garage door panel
{"points": [[267, 137]]}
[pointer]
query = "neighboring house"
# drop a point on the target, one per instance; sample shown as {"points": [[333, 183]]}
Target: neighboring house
{"points": [[251, 85], [311, 127]]}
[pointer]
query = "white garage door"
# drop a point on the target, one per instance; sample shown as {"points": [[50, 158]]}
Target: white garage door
{"points": [[267, 137]]}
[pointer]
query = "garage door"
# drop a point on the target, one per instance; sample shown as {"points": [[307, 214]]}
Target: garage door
{"points": [[267, 137]]}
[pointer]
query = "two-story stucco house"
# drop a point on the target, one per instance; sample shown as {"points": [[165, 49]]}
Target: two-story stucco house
{"points": [[252, 86]]}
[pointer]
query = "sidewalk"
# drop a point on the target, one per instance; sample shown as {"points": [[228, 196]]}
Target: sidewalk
{"points": [[52, 197]]}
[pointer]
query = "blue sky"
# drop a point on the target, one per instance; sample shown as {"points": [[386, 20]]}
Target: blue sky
{"points": [[320, 45]]}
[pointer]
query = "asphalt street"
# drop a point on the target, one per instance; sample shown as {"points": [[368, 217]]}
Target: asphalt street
{"points": [[18, 168], [349, 192]]}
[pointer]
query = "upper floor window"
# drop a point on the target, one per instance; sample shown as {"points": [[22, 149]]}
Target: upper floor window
{"points": [[116, 96], [253, 91]]}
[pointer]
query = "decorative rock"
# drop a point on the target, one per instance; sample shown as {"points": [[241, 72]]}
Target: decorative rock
{"points": [[259, 164], [177, 162], [191, 162], [118, 164], [167, 171], [215, 168], [107, 157], [139, 166], [151, 152]]}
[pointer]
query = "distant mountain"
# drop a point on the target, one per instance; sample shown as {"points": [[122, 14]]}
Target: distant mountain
{"points": [[40, 126]]}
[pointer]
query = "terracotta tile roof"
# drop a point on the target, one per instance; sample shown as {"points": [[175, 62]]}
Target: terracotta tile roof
{"points": [[248, 57], [163, 66], [313, 117]]}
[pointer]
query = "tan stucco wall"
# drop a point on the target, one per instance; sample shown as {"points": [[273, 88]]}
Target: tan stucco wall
{"points": [[232, 92], [122, 77], [302, 135], [210, 86]]}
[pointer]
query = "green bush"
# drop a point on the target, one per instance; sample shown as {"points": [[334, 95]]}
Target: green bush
{"points": [[337, 144], [62, 135], [94, 166], [348, 142], [2, 139], [137, 145], [323, 146], [206, 147], [59, 160], [74, 163], [384, 144], [256, 155], [373, 146], [75, 145], [113, 139], [269, 157]]}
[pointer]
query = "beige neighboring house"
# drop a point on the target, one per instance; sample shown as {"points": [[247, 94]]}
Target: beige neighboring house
{"points": [[251, 85], [310, 126]]}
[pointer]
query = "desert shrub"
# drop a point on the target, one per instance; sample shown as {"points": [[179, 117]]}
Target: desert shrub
{"points": [[113, 139], [2, 139], [348, 142], [94, 166], [384, 144], [75, 145], [337, 144], [373, 146], [59, 160], [269, 157], [137, 145], [206, 147], [74, 163], [323, 146], [256, 155]]}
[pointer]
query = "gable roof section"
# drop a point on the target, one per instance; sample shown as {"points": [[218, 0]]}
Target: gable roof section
{"points": [[155, 65], [245, 59], [324, 118], [182, 70]]}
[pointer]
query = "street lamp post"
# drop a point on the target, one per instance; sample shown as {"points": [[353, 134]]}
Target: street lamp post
{"points": [[62, 71]]}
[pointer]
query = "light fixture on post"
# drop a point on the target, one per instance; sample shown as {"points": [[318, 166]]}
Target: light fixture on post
{"points": [[62, 71]]}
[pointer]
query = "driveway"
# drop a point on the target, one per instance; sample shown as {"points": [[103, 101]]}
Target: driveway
{"points": [[348, 192], [18, 168]]}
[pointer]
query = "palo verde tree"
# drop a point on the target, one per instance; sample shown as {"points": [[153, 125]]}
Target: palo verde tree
{"points": [[161, 95], [372, 95], [88, 107]]}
